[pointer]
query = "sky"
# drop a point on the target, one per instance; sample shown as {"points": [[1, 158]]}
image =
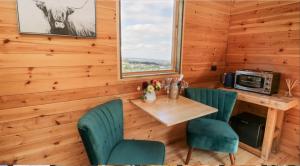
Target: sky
{"points": [[146, 29]]}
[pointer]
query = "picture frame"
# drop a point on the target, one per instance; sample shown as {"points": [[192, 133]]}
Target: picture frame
{"points": [[75, 18]]}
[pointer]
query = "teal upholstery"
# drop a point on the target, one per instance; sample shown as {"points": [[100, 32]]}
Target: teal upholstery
{"points": [[137, 152], [101, 131], [212, 132]]}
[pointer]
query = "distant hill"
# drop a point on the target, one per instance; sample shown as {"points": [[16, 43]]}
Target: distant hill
{"points": [[140, 64]]}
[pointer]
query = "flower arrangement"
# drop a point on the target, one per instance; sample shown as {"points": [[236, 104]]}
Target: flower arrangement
{"points": [[149, 89]]}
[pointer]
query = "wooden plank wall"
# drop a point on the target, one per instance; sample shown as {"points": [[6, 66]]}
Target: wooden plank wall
{"points": [[205, 44], [265, 35], [47, 83]]}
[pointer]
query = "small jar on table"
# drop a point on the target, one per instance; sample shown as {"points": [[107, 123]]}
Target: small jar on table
{"points": [[174, 92]]}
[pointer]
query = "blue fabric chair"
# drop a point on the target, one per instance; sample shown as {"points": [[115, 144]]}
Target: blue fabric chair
{"points": [[212, 132], [101, 131]]}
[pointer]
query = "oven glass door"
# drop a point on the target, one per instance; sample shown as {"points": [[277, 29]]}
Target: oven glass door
{"points": [[250, 81]]}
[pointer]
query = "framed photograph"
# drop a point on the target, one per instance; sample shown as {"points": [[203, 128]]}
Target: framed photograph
{"points": [[57, 17]]}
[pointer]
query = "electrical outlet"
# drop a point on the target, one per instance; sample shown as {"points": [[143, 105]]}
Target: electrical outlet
{"points": [[213, 67]]}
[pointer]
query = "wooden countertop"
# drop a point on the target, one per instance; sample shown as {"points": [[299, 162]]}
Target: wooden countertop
{"points": [[170, 112], [276, 101]]}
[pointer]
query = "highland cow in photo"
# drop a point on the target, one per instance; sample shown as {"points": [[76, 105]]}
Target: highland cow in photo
{"points": [[61, 17]]}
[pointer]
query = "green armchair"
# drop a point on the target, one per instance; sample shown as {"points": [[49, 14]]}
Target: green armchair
{"points": [[101, 131], [212, 132]]}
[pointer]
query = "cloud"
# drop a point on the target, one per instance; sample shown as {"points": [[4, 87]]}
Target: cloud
{"points": [[146, 28], [148, 31]]}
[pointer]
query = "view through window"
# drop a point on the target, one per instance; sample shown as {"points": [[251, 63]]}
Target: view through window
{"points": [[148, 35]]}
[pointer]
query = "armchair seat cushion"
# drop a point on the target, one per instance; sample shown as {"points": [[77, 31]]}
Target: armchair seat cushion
{"points": [[137, 152], [211, 134]]}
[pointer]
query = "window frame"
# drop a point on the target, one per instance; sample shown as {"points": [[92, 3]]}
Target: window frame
{"points": [[176, 52]]}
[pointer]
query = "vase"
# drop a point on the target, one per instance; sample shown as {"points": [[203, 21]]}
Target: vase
{"points": [[174, 92], [150, 97]]}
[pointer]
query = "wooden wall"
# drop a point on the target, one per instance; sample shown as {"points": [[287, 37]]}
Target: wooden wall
{"points": [[205, 44], [265, 35], [47, 83]]}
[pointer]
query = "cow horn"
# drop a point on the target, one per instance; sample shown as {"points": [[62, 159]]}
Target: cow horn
{"points": [[81, 5], [38, 1]]}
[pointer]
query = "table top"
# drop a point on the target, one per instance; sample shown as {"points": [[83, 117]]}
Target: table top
{"points": [[170, 112], [276, 101]]}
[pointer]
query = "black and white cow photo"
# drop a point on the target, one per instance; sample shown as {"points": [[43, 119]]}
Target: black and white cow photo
{"points": [[57, 17]]}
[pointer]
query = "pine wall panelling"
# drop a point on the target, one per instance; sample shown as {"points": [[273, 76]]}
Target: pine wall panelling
{"points": [[265, 35], [205, 40], [48, 82]]}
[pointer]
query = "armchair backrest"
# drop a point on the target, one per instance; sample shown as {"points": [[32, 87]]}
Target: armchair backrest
{"points": [[224, 101], [101, 129]]}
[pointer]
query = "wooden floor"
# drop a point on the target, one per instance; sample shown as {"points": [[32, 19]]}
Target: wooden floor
{"points": [[176, 154]]}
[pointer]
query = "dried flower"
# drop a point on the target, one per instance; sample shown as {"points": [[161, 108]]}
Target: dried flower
{"points": [[151, 86], [144, 85], [157, 86], [150, 89]]}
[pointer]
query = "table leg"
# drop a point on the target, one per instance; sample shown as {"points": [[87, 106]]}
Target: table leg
{"points": [[278, 130], [269, 133]]}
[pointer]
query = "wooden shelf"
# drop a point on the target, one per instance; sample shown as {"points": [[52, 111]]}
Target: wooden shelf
{"points": [[277, 101], [250, 149], [276, 104]]}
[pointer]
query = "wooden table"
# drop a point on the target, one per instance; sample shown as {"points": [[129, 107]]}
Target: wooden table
{"points": [[171, 112], [276, 104]]}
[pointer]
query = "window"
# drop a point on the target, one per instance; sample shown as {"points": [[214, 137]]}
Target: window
{"points": [[150, 36]]}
